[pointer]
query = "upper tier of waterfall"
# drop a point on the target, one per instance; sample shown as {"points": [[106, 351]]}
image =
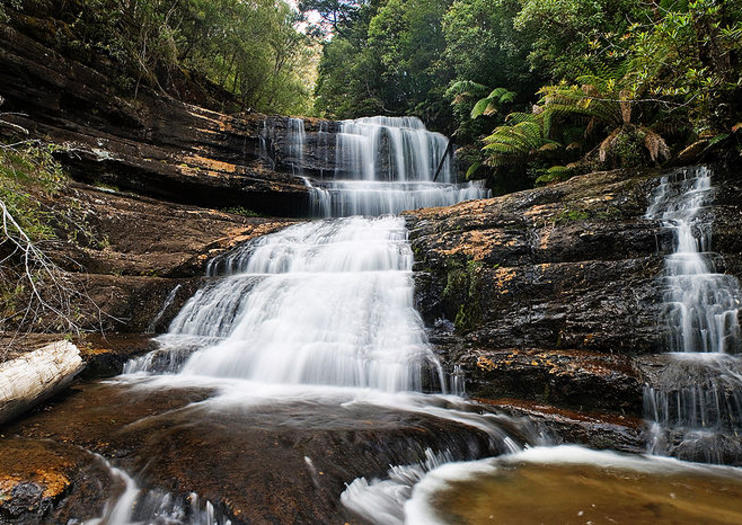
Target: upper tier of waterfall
{"points": [[381, 165]]}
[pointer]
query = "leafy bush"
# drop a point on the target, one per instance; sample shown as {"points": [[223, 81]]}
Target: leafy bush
{"points": [[26, 173]]}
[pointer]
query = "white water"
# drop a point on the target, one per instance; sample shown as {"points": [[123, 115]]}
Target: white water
{"points": [[168, 301], [383, 165], [696, 412], [136, 506], [324, 311], [702, 304], [326, 302]]}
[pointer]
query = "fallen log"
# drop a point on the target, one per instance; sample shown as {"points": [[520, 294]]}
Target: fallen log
{"points": [[29, 379]]}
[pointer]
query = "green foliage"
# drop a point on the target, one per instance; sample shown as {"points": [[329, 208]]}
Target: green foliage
{"points": [[386, 59], [514, 143], [621, 83], [25, 174], [489, 104], [605, 106], [239, 210], [251, 50], [691, 56], [565, 33], [554, 174], [571, 215]]}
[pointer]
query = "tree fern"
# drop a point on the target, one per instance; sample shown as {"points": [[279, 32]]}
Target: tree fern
{"points": [[489, 104], [601, 101], [513, 143]]}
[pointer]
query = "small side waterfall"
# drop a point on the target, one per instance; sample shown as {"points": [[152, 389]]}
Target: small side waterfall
{"points": [[701, 305], [695, 405], [296, 145]]}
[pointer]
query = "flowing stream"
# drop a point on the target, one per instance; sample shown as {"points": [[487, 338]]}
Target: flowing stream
{"points": [[323, 312]]}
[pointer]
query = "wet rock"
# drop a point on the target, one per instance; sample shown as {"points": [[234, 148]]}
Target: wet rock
{"points": [[569, 268], [286, 460], [133, 251], [599, 430], [42, 481], [573, 265], [155, 145], [105, 354], [575, 379], [693, 404]]}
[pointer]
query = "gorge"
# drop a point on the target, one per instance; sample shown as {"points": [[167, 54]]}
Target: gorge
{"points": [[305, 321]]}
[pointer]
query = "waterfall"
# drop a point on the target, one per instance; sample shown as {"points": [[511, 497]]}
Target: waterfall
{"points": [[327, 302], [297, 137], [381, 165], [695, 404], [701, 305], [163, 310], [323, 312]]}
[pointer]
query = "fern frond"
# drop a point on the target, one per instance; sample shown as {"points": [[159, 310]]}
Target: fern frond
{"points": [[656, 145]]}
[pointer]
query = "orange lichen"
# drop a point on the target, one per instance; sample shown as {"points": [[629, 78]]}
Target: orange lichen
{"points": [[486, 364], [198, 161]]}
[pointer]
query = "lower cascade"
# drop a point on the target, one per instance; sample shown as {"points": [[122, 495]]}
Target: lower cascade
{"points": [[328, 302], [695, 403]]}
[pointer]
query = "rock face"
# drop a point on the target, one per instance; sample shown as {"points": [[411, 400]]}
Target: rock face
{"points": [[46, 482], [547, 294], [153, 145], [285, 461], [141, 249]]}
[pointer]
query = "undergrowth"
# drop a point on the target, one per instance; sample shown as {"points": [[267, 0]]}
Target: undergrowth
{"points": [[27, 174]]}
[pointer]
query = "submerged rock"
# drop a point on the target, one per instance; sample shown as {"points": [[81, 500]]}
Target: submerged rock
{"points": [[42, 481]]}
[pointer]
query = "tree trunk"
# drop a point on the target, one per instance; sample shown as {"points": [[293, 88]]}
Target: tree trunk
{"points": [[33, 377]]}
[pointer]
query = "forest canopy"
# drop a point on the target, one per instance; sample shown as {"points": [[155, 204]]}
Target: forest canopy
{"points": [[243, 54], [532, 90], [594, 83]]}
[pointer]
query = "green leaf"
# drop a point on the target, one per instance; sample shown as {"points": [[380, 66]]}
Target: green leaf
{"points": [[473, 169]]}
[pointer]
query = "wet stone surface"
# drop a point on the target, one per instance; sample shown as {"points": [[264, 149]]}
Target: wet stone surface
{"points": [[43, 481], [282, 461]]}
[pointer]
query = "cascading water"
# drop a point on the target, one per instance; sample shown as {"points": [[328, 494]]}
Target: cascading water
{"points": [[318, 303], [324, 311], [383, 165], [701, 305], [695, 409], [328, 302]]}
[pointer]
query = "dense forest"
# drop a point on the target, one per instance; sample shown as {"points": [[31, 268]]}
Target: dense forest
{"points": [[241, 55], [546, 89]]}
